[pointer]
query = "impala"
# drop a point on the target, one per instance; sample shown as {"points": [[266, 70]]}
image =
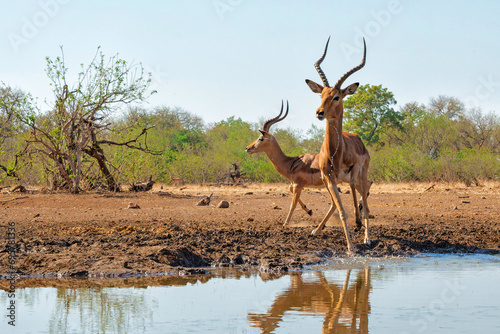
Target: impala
{"points": [[340, 153], [176, 181], [302, 171]]}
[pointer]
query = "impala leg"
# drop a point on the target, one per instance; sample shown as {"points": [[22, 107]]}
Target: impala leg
{"points": [[354, 184], [340, 207], [296, 189], [336, 202], [365, 188], [321, 225], [357, 211], [302, 205], [330, 212]]}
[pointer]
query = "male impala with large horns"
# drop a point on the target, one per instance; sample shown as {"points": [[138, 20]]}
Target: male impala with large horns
{"points": [[341, 153], [302, 171]]}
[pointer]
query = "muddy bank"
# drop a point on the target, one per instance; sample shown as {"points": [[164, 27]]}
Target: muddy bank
{"points": [[95, 234]]}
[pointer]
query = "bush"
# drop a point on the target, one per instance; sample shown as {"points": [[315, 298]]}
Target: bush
{"points": [[408, 163]]}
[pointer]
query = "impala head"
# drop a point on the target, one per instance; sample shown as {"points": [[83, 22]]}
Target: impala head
{"points": [[331, 97], [265, 140]]}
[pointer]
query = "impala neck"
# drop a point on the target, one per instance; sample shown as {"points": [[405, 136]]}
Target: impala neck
{"points": [[280, 161], [332, 145]]}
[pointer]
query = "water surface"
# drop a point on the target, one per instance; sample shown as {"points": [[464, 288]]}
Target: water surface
{"points": [[428, 294]]}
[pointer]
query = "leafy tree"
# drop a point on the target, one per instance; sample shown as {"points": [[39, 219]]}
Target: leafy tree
{"points": [[178, 134], [290, 141], [231, 136], [312, 143], [411, 115], [12, 102], [186, 137], [369, 112]]}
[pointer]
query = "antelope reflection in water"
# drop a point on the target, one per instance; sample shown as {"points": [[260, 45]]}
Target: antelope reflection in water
{"points": [[345, 306]]}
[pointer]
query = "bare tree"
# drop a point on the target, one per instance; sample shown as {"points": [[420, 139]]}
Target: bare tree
{"points": [[445, 105], [477, 129], [77, 125]]}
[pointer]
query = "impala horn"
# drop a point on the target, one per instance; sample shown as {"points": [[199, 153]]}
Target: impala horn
{"points": [[318, 68], [268, 123], [353, 70]]}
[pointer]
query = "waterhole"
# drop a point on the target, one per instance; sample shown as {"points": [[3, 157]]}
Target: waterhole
{"points": [[425, 294]]}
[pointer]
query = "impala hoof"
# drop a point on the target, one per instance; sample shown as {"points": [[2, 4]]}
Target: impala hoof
{"points": [[368, 242], [358, 226], [310, 212], [314, 232]]}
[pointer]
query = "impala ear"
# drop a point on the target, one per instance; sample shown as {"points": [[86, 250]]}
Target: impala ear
{"points": [[351, 89], [316, 88], [263, 132]]}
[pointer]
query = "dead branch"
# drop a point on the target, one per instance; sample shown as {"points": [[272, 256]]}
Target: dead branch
{"points": [[431, 187], [13, 199], [20, 188], [142, 186], [205, 200]]}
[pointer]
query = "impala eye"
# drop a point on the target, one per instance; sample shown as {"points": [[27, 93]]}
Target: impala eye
{"points": [[261, 138], [336, 98]]}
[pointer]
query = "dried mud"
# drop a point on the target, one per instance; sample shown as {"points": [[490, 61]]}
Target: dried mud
{"points": [[97, 235]]}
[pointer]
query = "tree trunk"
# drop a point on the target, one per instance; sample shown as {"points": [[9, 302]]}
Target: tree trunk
{"points": [[64, 172], [77, 172], [96, 152]]}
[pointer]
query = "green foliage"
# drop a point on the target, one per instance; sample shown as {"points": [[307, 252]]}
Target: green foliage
{"points": [[314, 139], [396, 164], [290, 141], [197, 153], [441, 141], [14, 161], [187, 138], [407, 163], [369, 112], [259, 169]]}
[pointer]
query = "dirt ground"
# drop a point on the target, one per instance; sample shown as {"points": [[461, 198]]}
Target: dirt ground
{"points": [[97, 235]]}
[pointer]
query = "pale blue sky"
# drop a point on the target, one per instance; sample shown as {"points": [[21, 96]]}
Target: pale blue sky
{"points": [[241, 57]]}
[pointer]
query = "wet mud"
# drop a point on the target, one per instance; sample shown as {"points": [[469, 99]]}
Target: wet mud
{"points": [[102, 235]]}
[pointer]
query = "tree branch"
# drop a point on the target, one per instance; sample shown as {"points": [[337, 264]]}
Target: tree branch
{"points": [[129, 142]]}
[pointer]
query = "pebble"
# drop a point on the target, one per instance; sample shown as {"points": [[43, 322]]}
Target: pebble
{"points": [[223, 205]]}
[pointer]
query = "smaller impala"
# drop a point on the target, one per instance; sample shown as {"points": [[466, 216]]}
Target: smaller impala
{"points": [[302, 171], [176, 181]]}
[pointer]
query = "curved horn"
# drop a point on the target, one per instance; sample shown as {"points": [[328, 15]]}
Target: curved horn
{"points": [[276, 119], [354, 69], [320, 60], [318, 68]]}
